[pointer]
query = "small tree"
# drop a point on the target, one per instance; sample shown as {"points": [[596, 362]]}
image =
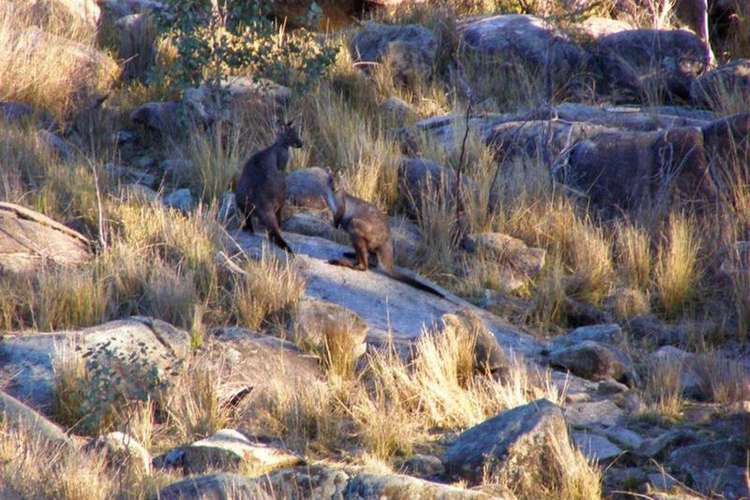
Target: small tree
{"points": [[215, 39]]}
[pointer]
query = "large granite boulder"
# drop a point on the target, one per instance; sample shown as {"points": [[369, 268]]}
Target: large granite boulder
{"points": [[506, 442], [409, 50], [650, 61], [501, 43]]}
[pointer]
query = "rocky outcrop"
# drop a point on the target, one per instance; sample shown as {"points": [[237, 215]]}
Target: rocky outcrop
{"points": [[421, 180], [630, 170], [505, 442], [391, 309], [409, 50], [30, 240]]}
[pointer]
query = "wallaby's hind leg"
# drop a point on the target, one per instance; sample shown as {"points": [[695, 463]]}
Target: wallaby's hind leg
{"points": [[274, 232], [372, 258], [360, 248]]}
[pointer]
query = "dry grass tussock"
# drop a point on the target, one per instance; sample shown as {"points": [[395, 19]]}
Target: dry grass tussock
{"points": [[394, 404], [678, 267], [49, 59]]}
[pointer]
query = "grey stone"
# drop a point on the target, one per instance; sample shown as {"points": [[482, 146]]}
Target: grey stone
{"points": [[159, 116], [512, 437], [624, 437], [518, 262], [138, 192], [321, 323], [595, 361], [596, 447], [592, 414], [655, 447], [229, 450], [634, 59], [609, 333], [215, 487], [506, 40], [488, 355], [180, 199], [15, 112], [409, 50], [131, 175], [661, 481], [176, 167], [376, 486], [419, 178], [122, 450], [314, 224], [15, 414], [425, 466], [26, 361], [30, 240], [398, 109], [307, 188]]}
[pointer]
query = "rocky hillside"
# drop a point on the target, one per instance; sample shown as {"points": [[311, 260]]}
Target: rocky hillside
{"points": [[572, 177]]}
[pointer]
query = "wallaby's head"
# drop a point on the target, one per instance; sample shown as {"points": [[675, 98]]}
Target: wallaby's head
{"points": [[288, 135], [335, 195]]}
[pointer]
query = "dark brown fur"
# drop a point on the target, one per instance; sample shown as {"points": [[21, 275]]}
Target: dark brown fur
{"points": [[261, 189], [370, 235]]}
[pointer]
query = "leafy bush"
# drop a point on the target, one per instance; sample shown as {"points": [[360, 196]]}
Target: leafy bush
{"points": [[216, 40]]}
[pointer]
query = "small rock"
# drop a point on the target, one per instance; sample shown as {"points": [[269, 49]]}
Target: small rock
{"points": [[313, 224], [424, 466], [228, 450], [595, 361], [181, 200], [16, 414], [158, 116], [654, 447], [322, 325], [307, 188], [144, 162], [131, 175], [596, 447], [14, 112], [733, 77], [398, 109], [519, 262], [122, 449], [589, 414], [488, 355], [609, 333], [661, 481], [508, 439], [624, 437]]}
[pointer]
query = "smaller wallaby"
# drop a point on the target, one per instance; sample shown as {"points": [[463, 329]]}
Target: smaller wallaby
{"points": [[261, 189], [370, 234]]}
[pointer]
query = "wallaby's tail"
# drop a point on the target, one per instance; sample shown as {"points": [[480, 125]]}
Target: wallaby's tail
{"points": [[416, 284]]}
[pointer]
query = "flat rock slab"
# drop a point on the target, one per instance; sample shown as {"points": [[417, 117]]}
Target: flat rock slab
{"points": [[596, 447], [29, 239], [26, 361], [386, 305], [14, 413], [228, 449]]}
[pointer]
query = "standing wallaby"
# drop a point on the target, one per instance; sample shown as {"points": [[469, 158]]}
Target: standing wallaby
{"points": [[261, 190], [370, 234]]}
